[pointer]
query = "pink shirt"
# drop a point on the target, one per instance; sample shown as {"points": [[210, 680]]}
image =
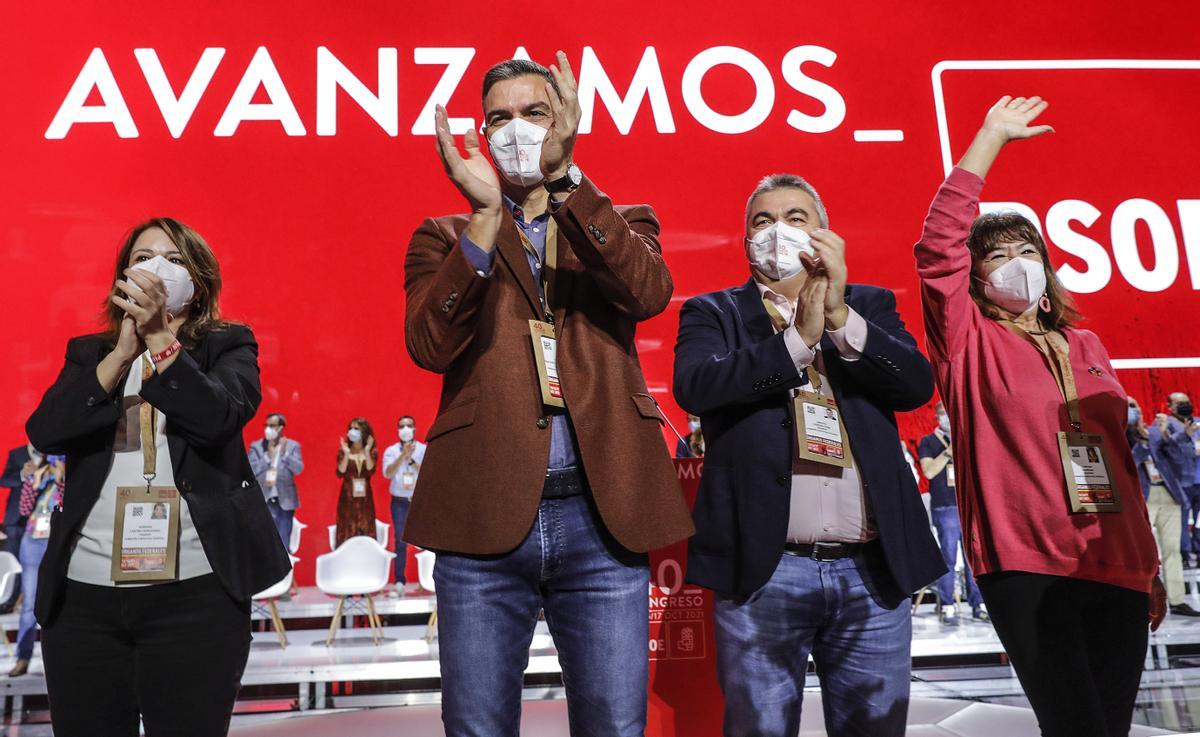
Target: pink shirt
{"points": [[1006, 409]]}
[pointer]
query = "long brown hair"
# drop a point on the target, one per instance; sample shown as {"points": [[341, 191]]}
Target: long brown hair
{"points": [[994, 228], [204, 315]]}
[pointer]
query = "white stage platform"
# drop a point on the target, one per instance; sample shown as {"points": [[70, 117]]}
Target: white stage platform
{"points": [[308, 676]]}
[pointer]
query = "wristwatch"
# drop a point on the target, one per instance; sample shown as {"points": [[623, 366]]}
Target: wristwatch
{"points": [[567, 183]]}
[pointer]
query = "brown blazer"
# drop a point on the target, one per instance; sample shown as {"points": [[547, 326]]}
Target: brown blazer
{"points": [[483, 473]]}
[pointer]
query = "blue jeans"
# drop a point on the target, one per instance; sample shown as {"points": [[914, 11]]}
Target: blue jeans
{"points": [[399, 515], [828, 610], [1189, 544], [32, 552], [283, 522], [949, 532], [595, 597]]}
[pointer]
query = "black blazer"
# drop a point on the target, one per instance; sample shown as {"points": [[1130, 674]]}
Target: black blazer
{"points": [[208, 395], [734, 371]]}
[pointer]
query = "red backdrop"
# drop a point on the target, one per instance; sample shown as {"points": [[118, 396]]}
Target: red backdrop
{"points": [[310, 211]]}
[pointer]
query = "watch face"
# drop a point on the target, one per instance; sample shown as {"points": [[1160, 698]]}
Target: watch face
{"points": [[575, 175]]}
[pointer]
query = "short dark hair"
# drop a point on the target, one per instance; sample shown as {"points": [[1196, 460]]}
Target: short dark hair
{"points": [[514, 68], [1006, 226], [406, 417], [279, 416]]}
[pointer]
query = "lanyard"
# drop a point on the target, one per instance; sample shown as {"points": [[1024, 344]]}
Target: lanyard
{"points": [[149, 426], [544, 267], [1057, 355], [814, 377]]}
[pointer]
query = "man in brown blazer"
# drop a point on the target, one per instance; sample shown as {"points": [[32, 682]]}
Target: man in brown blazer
{"points": [[546, 479]]}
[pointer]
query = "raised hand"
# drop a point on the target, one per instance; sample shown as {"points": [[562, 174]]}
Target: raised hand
{"points": [[830, 262], [559, 144], [810, 309], [473, 175], [1010, 118]]}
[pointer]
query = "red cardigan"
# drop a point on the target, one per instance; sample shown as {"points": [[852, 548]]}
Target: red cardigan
{"points": [[1005, 408]]}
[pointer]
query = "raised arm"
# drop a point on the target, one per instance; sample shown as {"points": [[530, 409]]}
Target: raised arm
{"points": [[943, 261]]}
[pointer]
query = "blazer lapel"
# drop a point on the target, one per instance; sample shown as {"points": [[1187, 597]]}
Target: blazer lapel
{"points": [[751, 311], [508, 243]]}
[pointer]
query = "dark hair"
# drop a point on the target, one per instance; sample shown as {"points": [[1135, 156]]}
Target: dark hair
{"points": [[366, 428], [514, 68], [204, 315], [995, 228], [282, 419], [406, 417]]}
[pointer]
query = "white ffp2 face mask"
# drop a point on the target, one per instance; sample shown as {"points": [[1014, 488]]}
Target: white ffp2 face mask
{"points": [[517, 151], [176, 279], [1017, 286], [354, 435], [406, 434], [776, 250], [271, 433]]}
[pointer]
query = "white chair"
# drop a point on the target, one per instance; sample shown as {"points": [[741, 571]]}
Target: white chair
{"points": [[10, 568], [381, 534], [425, 561], [294, 540], [359, 567], [269, 595]]}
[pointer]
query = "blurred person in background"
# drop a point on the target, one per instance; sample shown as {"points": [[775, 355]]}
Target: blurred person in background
{"points": [[356, 461], [277, 461]]}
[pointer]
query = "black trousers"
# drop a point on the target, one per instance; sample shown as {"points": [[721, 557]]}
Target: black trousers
{"points": [[1078, 648], [172, 653]]}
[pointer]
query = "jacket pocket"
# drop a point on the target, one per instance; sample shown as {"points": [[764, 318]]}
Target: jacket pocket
{"points": [[453, 418], [646, 406]]}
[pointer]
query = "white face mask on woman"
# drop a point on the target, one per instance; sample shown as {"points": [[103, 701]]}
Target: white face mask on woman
{"points": [[775, 251], [517, 151], [1017, 286], [176, 279], [354, 435]]}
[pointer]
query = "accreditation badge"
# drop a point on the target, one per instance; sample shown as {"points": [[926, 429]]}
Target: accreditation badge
{"points": [[146, 534], [820, 434], [950, 474], [1152, 472], [272, 475], [1090, 482], [41, 526], [409, 480], [359, 487], [545, 355]]}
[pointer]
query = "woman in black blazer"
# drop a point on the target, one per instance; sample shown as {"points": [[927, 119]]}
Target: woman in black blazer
{"points": [[172, 650]]}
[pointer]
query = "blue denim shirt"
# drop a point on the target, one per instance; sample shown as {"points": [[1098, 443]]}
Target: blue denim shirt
{"points": [[563, 445]]}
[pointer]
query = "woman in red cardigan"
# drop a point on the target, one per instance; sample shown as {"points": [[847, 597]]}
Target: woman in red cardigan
{"points": [[1054, 523]]}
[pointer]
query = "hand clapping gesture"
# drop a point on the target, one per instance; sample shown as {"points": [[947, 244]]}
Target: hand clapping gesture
{"points": [[559, 143]]}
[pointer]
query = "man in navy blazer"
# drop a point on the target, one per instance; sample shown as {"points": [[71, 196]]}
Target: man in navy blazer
{"points": [[816, 552]]}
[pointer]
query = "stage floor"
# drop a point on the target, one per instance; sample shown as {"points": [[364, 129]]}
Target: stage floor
{"points": [[927, 718], [960, 664]]}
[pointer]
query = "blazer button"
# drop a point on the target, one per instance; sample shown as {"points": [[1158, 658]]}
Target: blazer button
{"points": [[173, 384], [782, 480], [185, 485], [786, 424], [543, 423], [91, 401]]}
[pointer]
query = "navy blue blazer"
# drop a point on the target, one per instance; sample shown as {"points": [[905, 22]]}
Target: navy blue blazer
{"points": [[734, 371]]}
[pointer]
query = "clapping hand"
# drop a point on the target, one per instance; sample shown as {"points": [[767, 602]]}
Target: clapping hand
{"points": [[559, 143], [473, 175]]}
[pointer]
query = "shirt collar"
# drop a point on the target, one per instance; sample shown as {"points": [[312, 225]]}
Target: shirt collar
{"points": [[518, 213]]}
